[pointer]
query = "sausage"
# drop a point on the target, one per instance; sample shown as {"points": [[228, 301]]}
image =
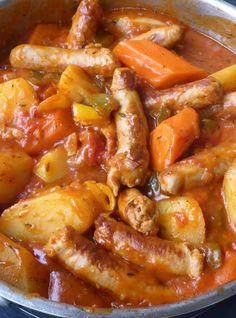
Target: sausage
{"points": [[166, 36], [84, 23], [228, 109], [129, 166], [198, 170], [150, 252], [138, 211], [103, 270], [198, 94], [50, 59]]}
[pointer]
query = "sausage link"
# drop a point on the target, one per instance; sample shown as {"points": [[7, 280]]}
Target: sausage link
{"points": [[150, 252], [166, 36], [198, 170], [50, 59], [138, 211], [198, 94], [104, 270], [84, 23], [130, 163]]}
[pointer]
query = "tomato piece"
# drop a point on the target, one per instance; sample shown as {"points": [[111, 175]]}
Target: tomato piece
{"points": [[91, 152]]}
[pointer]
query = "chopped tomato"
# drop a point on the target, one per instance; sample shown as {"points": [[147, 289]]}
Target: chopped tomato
{"points": [[92, 149]]}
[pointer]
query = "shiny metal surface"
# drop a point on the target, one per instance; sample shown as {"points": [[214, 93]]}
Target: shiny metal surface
{"points": [[212, 17]]}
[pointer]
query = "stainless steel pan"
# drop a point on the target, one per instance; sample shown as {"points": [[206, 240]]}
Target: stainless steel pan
{"points": [[212, 17]]}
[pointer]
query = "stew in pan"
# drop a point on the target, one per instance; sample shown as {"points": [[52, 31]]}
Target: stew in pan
{"points": [[117, 160]]}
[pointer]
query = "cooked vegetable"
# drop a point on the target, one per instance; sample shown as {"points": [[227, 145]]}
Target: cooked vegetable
{"points": [[15, 171], [199, 170], [229, 191], [53, 165], [43, 132], [151, 253], [77, 85], [173, 137], [213, 254], [161, 115], [16, 95], [103, 104], [84, 23], [153, 186], [54, 102], [227, 78], [103, 195], [52, 59], [138, 211], [19, 268], [157, 65], [181, 219], [36, 219], [86, 115], [166, 36], [46, 34], [104, 270], [197, 94]]}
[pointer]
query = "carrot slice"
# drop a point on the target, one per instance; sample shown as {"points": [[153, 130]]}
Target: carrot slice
{"points": [[173, 137], [46, 34], [42, 132], [159, 66]]}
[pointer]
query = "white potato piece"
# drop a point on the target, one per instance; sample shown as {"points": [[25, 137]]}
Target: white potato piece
{"points": [[229, 191], [15, 171], [181, 219], [14, 95], [36, 219], [53, 165], [227, 78], [76, 84], [19, 268]]}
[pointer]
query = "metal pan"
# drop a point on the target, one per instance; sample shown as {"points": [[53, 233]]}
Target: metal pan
{"points": [[212, 17]]}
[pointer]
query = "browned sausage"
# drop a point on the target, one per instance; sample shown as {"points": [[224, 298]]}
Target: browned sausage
{"points": [[198, 94], [198, 170], [84, 23], [104, 270], [138, 211], [166, 36], [150, 252], [52, 59], [130, 163]]}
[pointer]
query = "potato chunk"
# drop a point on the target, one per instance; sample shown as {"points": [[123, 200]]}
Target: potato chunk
{"points": [[53, 165], [16, 94], [19, 268], [36, 219], [229, 191], [181, 219], [227, 78], [15, 172], [76, 84]]}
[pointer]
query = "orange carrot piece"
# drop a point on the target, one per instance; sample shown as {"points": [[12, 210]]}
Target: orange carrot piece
{"points": [[159, 66], [173, 137], [46, 34], [41, 133]]}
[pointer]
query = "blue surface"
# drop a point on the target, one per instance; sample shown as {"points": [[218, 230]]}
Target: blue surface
{"points": [[225, 309]]}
